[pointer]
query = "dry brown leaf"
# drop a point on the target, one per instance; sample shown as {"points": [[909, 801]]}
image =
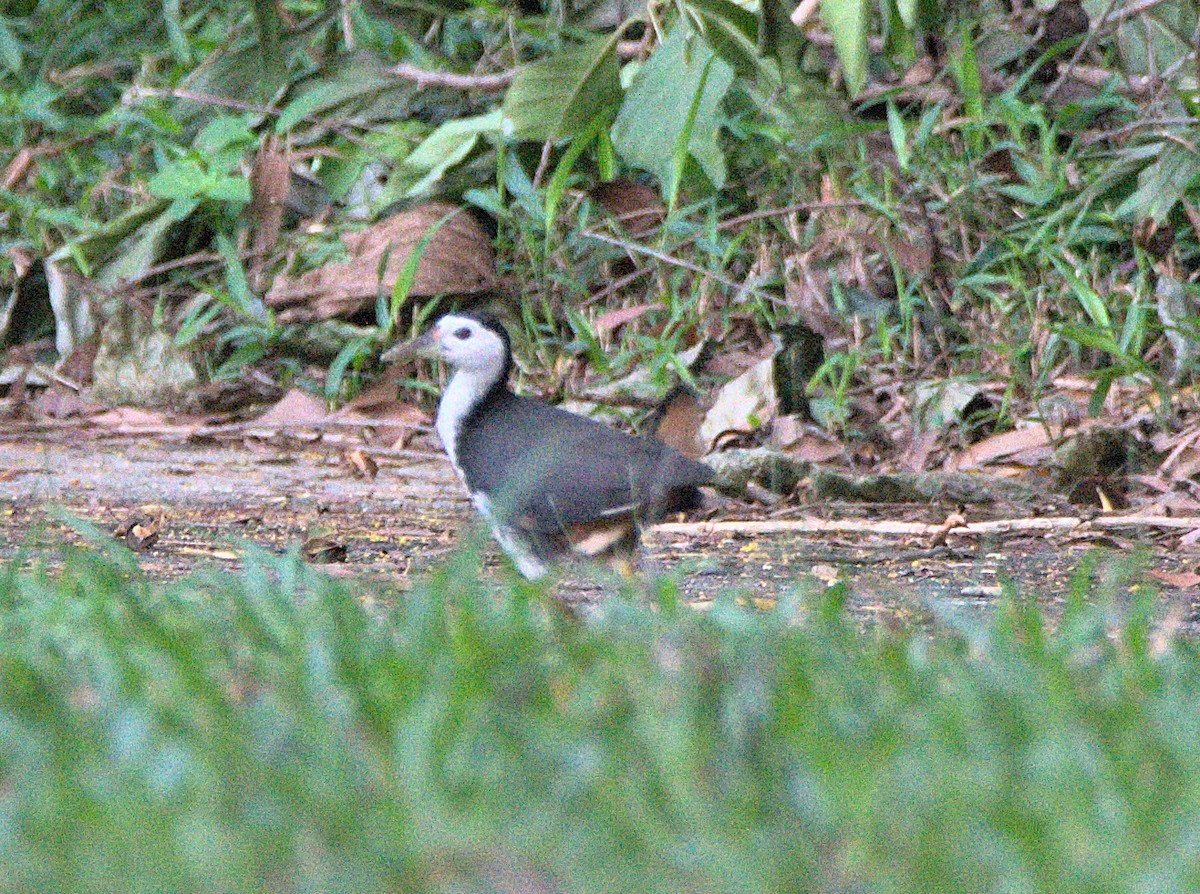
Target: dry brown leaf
{"points": [[269, 180], [1001, 445], [614, 319], [57, 402], [141, 528], [816, 449], [130, 418], [382, 394], [678, 422], [1179, 580], [360, 464], [635, 205], [458, 260], [323, 550], [294, 408]]}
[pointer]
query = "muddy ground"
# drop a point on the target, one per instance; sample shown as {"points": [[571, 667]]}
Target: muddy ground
{"points": [[216, 495]]}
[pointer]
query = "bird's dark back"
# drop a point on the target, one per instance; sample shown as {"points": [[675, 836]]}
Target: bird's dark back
{"points": [[556, 468]]}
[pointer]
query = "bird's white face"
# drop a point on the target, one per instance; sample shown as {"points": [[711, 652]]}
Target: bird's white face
{"points": [[467, 345]]}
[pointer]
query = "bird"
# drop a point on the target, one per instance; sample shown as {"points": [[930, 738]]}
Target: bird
{"points": [[548, 482]]}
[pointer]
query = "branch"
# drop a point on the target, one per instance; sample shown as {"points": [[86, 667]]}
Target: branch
{"points": [[450, 79]]}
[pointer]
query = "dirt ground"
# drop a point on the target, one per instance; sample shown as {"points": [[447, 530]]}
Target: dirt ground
{"points": [[207, 498]]}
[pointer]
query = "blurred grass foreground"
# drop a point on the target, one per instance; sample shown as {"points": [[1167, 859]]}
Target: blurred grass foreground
{"points": [[275, 731]]}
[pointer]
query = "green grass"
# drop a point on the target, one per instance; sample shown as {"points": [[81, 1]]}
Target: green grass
{"points": [[279, 731]]}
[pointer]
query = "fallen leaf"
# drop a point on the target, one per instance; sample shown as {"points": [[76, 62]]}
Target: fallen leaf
{"points": [[140, 530], [1003, 444], [459, 259], [130, 418], [614, 319], [742, 405], [1179, 580], [296, 408], [635, 205], [323, 550], [361, 464]]}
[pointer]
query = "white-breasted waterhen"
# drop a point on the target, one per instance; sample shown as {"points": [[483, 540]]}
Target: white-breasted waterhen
{"points": [[547, 481]]}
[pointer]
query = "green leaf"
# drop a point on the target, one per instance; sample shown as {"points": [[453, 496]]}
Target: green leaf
{"points": [[908, 12], [448, 145], [183, 179], [847, 22], [731, 32], [359, 76], [1161, 184], [228, 189], [1090, 300], [221, 133], [896, 131], [679, 154], [558, 182], [966, 71], [557, 97], [10, 47], [352, 353], [671, 88]]}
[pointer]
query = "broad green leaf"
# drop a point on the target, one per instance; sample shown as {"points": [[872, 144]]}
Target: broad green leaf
{"points": [[221, 133], [176, 33], [680, 153], [1162, 184], [448, 145], [908, 12], [847, 22], [732, 33], [359, 76], [557, 97], [670, 88], [183, 179], [228, 189], [1154, 41]]}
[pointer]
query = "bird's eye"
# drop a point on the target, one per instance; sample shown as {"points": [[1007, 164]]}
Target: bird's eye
{"points": [[462, 334]]}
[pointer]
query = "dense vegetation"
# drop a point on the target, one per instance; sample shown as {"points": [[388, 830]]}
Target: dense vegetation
{"points": [[938, 188], [986, 190], [276, 732]]}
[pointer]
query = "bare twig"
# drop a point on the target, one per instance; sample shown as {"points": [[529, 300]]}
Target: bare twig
{"points": [[661, 256], [454, 81], [207, 99]]}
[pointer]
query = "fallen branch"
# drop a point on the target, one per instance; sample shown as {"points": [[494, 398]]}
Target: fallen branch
{"points": [[920, 529]]}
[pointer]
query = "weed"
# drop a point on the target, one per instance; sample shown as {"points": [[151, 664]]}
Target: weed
{"points": [[281, 730]]}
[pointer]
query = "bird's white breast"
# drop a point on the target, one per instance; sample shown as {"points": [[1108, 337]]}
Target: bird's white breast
{"points": [[462, 395]]}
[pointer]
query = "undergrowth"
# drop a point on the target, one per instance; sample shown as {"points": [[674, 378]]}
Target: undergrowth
{"points": [[281, 731]]}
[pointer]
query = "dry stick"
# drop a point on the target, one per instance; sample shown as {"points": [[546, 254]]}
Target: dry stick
{"points": [[611, 288], [208, 99], [919, 529], [661, 256], [1134, 9], [450, 79]]}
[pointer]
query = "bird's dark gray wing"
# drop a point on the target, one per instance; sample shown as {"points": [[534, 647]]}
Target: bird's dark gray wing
{"points": [[557, 469]]}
